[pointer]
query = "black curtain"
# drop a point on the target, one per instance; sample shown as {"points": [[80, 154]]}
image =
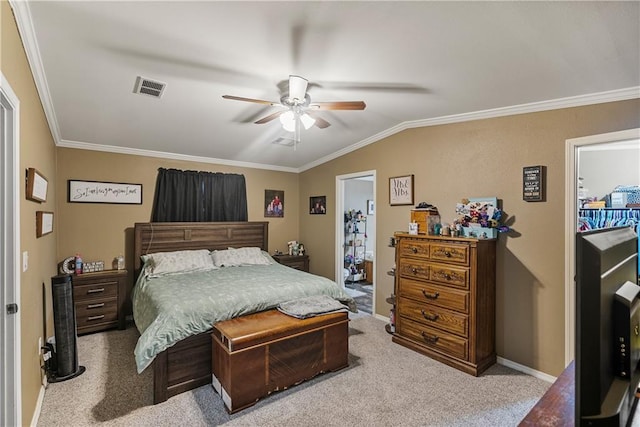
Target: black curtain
{"points": [[191, 196]]}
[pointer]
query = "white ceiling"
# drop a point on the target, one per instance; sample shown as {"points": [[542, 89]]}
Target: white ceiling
{"points": [[413, 63]]}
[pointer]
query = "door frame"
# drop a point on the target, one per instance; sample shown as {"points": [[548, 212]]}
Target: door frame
{"points": [[10, 386], [340, 208], [571, 225]]}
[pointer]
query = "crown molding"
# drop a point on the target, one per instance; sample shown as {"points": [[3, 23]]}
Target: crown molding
{"points": [[29, 41], [167, 155], [534, 107]]}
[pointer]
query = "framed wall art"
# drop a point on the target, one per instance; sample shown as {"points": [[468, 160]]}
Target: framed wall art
{"points": [[401, 190], [36, 186], [318, 205], [44, 223], [274, 203], [104, 192]]}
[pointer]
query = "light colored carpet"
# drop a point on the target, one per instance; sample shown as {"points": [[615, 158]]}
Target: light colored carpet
{"points": [[385, 385]]}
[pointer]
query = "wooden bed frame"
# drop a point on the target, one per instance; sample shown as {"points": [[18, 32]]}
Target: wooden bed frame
{"points": [[187, 364]]}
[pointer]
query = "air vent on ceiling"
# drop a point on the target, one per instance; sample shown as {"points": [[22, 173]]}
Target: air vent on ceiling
{"points": [[149, 87], [287, 142]]}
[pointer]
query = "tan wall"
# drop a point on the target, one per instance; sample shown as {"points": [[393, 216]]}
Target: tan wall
{"points": [[480, 159], [37, 150], [101, 231]]}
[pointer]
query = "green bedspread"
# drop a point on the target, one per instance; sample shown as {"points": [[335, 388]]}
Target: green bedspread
{"points": [[170, 308]]}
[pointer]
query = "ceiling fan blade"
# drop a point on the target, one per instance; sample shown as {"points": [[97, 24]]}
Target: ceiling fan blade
{"points": [[270, 117], [319, 121], [338, 105], [256, 101]]}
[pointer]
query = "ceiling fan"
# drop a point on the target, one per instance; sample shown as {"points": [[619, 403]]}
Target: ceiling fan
{"points": [[298, 109]]}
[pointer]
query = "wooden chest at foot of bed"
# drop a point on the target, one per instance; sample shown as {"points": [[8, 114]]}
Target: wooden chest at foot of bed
{"points": [[260, 353]]}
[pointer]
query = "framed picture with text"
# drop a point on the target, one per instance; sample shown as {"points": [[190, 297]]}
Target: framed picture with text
{"points": [[401, 190]]}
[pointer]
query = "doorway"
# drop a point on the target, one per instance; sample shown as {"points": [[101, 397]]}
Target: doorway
{"points": [[10, 390], [356, 237], [572, 155]]}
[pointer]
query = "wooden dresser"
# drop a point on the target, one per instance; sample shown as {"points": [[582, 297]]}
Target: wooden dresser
{"points": [[445, 306], [99, 300]]}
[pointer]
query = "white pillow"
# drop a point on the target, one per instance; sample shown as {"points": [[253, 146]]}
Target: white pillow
{"points": [[160, 263], [243, 256]]}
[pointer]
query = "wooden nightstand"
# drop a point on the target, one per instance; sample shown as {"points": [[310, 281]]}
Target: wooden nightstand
{"points": [[299, 262], [99, 300]]}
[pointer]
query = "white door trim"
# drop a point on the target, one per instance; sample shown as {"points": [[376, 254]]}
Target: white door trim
{"points": [[571, 225], [340, 208], [11, 399]]}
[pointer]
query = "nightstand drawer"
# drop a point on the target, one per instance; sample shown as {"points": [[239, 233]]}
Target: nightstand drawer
{"points": [[95, 291], [92, 313]]}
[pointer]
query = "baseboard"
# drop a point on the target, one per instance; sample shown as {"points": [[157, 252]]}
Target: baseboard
{"points": [[526, 370], [36, 412]]}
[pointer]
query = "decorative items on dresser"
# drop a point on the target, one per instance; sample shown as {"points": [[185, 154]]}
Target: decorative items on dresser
{"points": [[99, 299], [299, 262], [445, 299]]}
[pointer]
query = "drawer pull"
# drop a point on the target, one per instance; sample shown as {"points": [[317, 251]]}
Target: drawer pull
{"points": [[430, 338], [447, 276], [432, 317], [95, 317], [415, 270], [447, 254], [95, 291], [96, 305], [430, 296], [415, 250]]}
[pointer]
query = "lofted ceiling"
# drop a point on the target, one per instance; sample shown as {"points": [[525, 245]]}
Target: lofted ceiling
{"points": [[412, 63]]}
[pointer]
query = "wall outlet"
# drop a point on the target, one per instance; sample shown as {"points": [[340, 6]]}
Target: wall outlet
{"points": [[25, 261], [39, 346]]}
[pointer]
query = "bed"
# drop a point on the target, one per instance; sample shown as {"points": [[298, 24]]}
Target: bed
{"points": [[186, 363]]}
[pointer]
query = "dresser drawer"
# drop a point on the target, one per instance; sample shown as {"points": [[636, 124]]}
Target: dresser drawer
{"points": [[413, 248], [413, 268], [450, 252], [441, 296], [100, 290], [95, 312], [433, 338], [452, 276], [434, 316]]}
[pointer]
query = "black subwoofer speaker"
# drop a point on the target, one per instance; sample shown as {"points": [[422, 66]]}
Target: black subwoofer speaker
{"points": [[64, 322]]}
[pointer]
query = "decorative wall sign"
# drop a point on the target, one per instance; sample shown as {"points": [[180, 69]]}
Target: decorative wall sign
{"points": [[44, 223], [104, 192], [274, 203], [36, 186], [401, 190], [533, 183], [318, 205]]}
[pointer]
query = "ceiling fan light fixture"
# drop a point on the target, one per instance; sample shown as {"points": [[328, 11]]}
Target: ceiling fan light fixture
{"points": [[288, 120], [307, 120], [297, 88]]}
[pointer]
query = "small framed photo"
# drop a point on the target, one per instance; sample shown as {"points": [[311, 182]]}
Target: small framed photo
{"points": [[401, 190], [36, 186], [273, 203], [44, 223], [318, 205], [370, 207]]}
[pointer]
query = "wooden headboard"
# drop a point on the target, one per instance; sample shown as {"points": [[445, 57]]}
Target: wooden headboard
{"points": [[153, 237]]}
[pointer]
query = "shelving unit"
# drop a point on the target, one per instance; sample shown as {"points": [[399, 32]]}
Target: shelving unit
{"points": [[355, 244]]}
